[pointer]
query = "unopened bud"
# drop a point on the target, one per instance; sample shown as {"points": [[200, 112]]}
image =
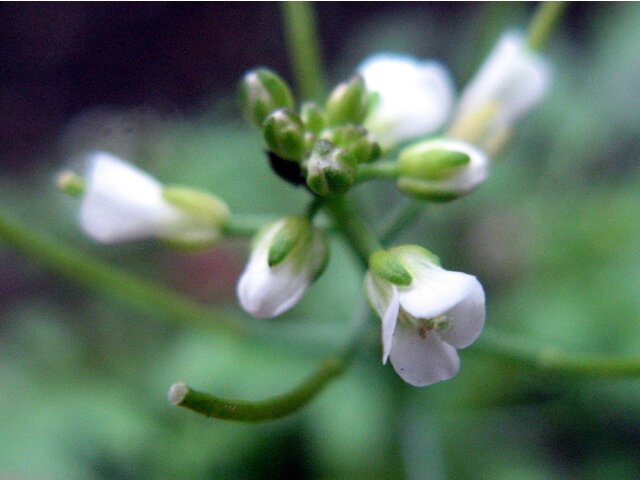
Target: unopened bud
{"points": [[284, 133], [262, 92], [70, 183], [357, 141], [330, 169], [441, 170], [348, 103], [312, 117]]}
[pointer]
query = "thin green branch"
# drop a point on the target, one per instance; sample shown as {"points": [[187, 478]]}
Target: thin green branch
{"points": [[304, 48], [271, 409], [400, 219], [544, 22], [244, 225], [96, 275], [550, 359], [377, 170], [349, 222]]}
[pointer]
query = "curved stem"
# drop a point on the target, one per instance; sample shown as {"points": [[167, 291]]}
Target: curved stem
{"points": [[99, 276], [304, 48], [543, 23], [355, 230], [372, 171], [514, 349], [273, 408], [404, 216]]}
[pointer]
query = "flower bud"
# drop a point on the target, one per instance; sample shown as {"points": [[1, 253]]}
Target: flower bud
{"points": [[70, 183], [441, 170], [330, 169], [348, 103], [284, 133], [262, 92], [312, 117], [357, 141], [288, 256]]}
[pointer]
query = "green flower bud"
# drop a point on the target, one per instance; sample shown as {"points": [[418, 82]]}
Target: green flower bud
{"points": [[386, 266], [357, 141], [441, 170], [312, 117], [70, 183], [262, 92], [330, 169], [284, 133], [348, 103]]}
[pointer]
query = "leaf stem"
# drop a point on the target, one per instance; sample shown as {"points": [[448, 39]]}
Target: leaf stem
{"points": [[377, 170], [304, 48], [543, 23], [514, 349]]}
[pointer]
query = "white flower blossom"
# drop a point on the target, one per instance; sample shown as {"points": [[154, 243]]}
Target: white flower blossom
{"points": [[512, 80], [425, 321], [411, 98], [288, 255], [122, 203]]}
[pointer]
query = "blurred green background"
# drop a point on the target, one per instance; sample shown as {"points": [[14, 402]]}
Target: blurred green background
{"points": [[553, 236]]}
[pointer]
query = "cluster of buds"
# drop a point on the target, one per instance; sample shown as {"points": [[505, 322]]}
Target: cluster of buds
{"points": [[426, 311], [319, 147]]}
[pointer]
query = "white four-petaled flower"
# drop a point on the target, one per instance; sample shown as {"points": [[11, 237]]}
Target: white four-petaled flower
{"points": [[287, 256], [512, 80], [426, 320], [122, 203], [410, 98]]}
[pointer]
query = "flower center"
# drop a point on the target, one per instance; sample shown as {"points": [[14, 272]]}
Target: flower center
{"points": [[424, 325]]}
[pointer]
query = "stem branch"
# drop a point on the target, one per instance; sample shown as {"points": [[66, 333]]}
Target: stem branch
{"points": [[544, 22]]}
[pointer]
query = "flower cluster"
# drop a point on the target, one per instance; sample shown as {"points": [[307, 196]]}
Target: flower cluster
{"points": [[426, 311]]}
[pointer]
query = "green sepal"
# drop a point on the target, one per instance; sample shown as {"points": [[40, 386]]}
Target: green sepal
{"points": [[348, 103], [294, 232], [417, 250], [421, 190], [357, 141], [284, 133], [312, 117], [386, 266], [330, 170], [423, 162], [202, 206], [262, 91]]}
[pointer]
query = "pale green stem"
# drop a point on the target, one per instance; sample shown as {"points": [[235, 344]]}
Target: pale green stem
{"points": [[377, 170], [99, 276], [349, 222], [544, 22], [304, 48], [400, 220], [270, 409], [550, 359], [246, 225]]}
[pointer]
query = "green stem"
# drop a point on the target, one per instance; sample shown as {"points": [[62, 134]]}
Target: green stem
{"points": [[304, 48], [353, 227], [270, 409], [399, 220], [513, 349], [245, 225], [544, 22], [99, 276], [377, 170]]}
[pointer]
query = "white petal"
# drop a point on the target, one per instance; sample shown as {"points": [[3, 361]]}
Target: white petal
{"points": [[414, 98], [421, 361], [513, 77], [434, 291], [465, 319], [266, 292], [123, 203], [383, 297]]}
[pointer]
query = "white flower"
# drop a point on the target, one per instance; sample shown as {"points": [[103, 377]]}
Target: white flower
{"points": [[410, 98], [288, 255], [441, 169], [426, 320], [123, 203], [512, 80]]}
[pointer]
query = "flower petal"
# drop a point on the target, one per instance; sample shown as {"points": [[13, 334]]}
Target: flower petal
{"points": [[383, 297], [434, 291], [123, 203], [414, 98], [422, 360], [465, 319]]}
